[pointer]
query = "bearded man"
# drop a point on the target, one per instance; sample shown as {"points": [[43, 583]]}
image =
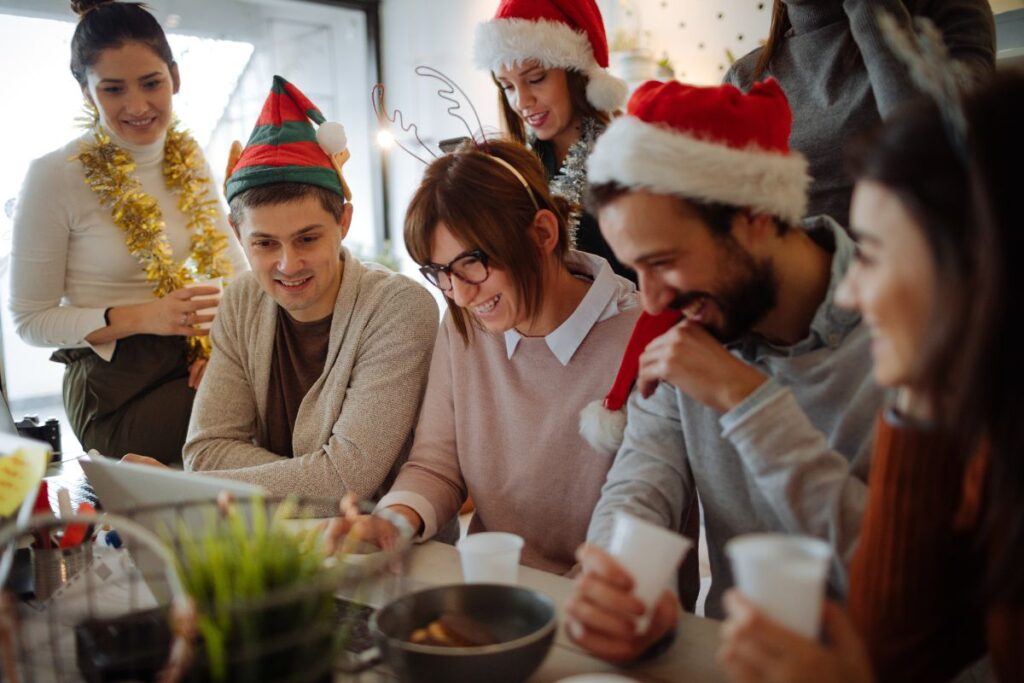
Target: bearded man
{"points": [[760, 401]]}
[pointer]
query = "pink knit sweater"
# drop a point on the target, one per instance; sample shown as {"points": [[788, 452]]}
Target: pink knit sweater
{"points": [[505, 431]]}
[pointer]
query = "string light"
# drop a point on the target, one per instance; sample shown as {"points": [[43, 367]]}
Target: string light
{"points": [[385, 139]]}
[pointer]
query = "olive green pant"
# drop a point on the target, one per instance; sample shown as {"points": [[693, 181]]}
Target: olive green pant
{"points": [[139, 402]]}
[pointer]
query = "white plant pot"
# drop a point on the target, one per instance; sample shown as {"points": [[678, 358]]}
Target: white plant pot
{"points": [[634, 66]]}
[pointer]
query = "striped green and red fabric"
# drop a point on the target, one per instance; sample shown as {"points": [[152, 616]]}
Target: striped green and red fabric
{"points": [[283, 146]]}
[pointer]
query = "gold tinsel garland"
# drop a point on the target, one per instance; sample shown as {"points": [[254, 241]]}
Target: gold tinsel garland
{"points": [[109, 173]]}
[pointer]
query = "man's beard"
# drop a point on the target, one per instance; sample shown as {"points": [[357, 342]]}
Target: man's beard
{"points": [[745, 292]]}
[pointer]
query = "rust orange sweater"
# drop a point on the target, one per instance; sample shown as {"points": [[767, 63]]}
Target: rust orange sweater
{"points": [[917, 578]]}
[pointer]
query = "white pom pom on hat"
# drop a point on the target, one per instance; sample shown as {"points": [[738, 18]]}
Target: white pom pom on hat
{"points": [[331, 137], [602, 423]]}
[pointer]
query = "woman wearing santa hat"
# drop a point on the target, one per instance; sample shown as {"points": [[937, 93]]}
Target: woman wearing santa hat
{"points": [[549, 59], [534, 332], [110, 229]]}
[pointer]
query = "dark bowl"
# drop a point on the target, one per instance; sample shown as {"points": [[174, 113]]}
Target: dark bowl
{"points": [[523, 621]]}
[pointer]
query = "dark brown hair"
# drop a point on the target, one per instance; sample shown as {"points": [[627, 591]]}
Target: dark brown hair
{"points": [[513, 124], [486, 207], [777, 33], [965, 203], [104, 24], [284, 193]]}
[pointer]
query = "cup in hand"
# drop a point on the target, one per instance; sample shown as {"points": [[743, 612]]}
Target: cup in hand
{"points": [[651, 554], [217, 282], [490, 557], [784, 576]]}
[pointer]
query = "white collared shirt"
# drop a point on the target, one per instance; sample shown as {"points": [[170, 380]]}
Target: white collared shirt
{"points": [[600, 303]]}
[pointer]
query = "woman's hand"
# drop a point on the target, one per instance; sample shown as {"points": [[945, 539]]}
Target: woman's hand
{"points": [[174, 314], [755, 648], [196, 372], [601, 615], [353, 527]]}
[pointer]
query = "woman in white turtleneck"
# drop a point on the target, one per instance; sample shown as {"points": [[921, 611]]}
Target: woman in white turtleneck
{"points": [[131, 372]]}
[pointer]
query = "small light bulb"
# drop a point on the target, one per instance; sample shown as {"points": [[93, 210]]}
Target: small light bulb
{"points": [[385, 139]]}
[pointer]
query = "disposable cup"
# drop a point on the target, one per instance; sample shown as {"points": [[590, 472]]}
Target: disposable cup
{"points": [[490, 557], [217, 282], [651, 554], [784, 576]]}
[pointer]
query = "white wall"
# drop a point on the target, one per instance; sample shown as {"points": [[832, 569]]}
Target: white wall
{"points": [[438, 33]]}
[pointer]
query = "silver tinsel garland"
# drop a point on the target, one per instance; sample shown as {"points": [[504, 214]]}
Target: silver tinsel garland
{"points": [[571, 180]]}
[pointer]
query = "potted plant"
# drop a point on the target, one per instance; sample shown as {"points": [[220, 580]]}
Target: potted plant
{"points": [[263, 596]]}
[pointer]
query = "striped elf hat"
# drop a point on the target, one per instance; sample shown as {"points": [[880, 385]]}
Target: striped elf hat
{"points": [[285, 148]]}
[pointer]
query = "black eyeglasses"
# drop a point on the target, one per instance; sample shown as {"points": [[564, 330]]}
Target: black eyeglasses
{"points": [[471, 267]]}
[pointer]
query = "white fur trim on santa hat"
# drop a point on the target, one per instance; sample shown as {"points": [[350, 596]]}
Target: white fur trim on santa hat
{"points": [[602, 428], [604, 91], [501, 43], [644, 156]]}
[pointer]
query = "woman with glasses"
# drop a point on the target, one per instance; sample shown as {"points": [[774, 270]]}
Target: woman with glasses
{"points": [[534, 332]]}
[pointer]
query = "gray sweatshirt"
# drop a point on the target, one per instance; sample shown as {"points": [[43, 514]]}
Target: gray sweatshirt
{"points": [[835, 99], [793, 457]]}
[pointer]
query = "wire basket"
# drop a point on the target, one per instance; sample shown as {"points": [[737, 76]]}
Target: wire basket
{"points": [[155, 610]]}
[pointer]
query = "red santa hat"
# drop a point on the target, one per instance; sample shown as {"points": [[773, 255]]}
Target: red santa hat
{"points": [[603, 422], [564, 34], [712, 144]]}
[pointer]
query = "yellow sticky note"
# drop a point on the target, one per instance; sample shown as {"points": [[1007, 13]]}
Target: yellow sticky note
{"points": [[22, 466]]}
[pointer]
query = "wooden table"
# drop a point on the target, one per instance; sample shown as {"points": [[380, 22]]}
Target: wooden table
{"points": [[690, 659]]}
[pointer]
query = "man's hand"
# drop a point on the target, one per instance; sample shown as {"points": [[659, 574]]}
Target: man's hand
{"points": [[693, 361], [602, 612], [143, 460], [755, 648]]}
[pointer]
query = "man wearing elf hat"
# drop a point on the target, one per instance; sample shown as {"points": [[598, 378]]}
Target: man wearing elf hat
{"points": [[319, 360], [754, 390]]}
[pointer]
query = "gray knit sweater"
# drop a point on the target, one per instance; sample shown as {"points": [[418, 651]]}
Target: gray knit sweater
{"points": [[835, 99], [792, 457]]}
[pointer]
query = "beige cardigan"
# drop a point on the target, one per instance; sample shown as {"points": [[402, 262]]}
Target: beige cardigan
{"points": [[355, 423]]}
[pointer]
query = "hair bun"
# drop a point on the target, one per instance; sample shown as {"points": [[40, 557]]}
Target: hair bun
{"points": [[81, 7]]}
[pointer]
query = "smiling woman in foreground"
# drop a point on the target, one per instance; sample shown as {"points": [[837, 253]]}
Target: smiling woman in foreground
{"points": [[936, 581]]}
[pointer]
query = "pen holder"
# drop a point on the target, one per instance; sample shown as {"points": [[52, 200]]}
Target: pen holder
{"points": [[54, 567]]}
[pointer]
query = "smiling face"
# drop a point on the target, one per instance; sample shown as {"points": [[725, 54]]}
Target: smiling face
{"points": [[681, 264], [541, 98], [293, 249], [891, 282], [132, 88], [493, 302]]}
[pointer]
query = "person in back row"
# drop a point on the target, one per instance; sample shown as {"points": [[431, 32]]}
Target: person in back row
{"points": [[549, 61], [319, 360], [533, 333], [760, 401], [110, 230]]}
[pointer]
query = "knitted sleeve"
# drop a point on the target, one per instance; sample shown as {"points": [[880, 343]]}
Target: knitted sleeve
{"points": [[913, 580], [967, 27], [431, 481], [39, 254]]}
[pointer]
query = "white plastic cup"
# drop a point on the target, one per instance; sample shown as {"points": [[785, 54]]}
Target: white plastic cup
{"points": [[784, 576], [217, 282], [490, 557], [651, 554]]}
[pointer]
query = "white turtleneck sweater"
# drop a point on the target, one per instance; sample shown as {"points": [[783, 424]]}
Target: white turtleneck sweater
{"points": [[69, 262]]}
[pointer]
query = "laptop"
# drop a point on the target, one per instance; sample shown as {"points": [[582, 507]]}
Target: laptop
{"points": [[128, 486]]}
